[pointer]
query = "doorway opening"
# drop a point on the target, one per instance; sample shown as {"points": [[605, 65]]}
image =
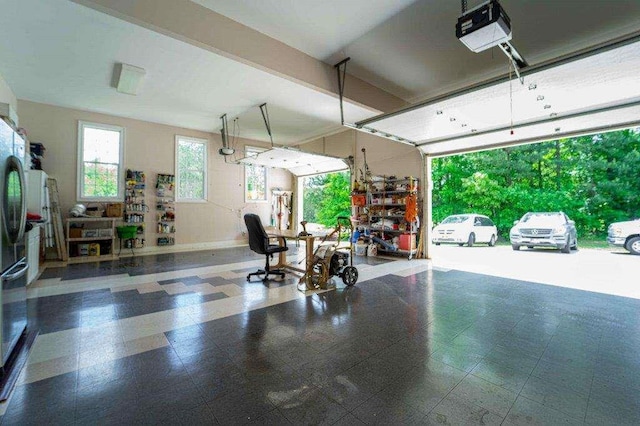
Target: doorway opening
{"points": [[324, 198]]}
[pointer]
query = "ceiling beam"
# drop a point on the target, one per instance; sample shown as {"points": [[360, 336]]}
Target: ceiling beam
{"points": [[192, 23]]}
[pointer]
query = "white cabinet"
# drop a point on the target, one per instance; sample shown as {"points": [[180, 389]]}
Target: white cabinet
{"points": [[33, 253], [37, 194], [38, 202]]}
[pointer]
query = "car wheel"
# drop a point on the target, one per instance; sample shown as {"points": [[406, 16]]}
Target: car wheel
{"points": [[437, 244], [515, 247], [471, 240], [460, 244], [567, 247], [634, 245], [575, 245], [492, 241]]}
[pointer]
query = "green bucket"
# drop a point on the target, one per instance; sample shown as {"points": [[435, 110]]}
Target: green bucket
{"points": [[126, 232]]}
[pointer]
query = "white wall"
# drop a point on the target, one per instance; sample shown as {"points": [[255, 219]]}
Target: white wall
{"points": [[150, 147], [6, 94]]}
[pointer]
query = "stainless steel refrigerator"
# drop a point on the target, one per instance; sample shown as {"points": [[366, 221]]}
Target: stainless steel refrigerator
{"points": [[13, 297]]}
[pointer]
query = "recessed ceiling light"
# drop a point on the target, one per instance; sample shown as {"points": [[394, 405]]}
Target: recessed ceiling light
{"points": [[474, 130], [547, 106], [464, 125], [553, 114], [439, 112], [557, 129], [533, 86], [540, 98], [452, 119]]}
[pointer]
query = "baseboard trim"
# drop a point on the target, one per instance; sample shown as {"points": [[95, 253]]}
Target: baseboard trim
{"points": [[146, 251], [177, 248]]}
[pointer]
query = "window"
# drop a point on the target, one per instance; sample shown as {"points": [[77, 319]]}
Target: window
{"points": [[255, 179], [100, 159], [191, 173]]}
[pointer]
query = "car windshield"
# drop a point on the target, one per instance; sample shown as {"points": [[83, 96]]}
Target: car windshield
{"points": [[543, 217], [456, 219]]}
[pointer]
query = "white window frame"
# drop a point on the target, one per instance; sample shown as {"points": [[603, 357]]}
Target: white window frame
{"points": [[80, 162], [247, 150], [205, 142]]}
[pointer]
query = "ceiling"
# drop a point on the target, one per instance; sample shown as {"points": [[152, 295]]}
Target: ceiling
{"points": [[415, 54], [63, 53]]}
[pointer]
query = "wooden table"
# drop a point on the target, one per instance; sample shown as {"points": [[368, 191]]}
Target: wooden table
{"points": [[289, 234]]}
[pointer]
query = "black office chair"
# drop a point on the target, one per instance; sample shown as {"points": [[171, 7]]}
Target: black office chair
{"points": [[259, 242]]}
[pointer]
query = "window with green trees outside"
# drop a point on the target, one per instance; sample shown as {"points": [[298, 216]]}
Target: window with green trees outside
{"points": [[255, 178], [100, 155], [191, 173]]}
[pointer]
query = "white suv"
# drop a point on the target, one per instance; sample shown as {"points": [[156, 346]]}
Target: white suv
{"points": [[625, 234], [465, 229]]}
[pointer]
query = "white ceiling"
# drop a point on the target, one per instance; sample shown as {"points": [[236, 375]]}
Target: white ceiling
{"points": [[61, 53], [410, 49], [318, 28]]}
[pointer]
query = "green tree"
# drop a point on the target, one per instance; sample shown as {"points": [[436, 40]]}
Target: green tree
{"points": [[326, 197], [594, 179]]}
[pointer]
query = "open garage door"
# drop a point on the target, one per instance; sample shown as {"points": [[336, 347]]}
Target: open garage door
{"points": [[592, 92]]}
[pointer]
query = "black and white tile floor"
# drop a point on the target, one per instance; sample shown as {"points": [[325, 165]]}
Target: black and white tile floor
{"points": [[183, 339]]}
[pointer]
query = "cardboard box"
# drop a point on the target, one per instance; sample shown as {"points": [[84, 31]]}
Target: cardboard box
{"points": [[75, 232], [407, 242], [105, 232], [83, 249], [94, 249], [115, 209]]}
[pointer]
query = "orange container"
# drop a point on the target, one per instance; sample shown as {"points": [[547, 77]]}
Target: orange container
{"points": [[358, 200]]}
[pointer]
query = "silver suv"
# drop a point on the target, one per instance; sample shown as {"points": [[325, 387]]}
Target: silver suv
{"points": [[552, 229], [625, 234]]}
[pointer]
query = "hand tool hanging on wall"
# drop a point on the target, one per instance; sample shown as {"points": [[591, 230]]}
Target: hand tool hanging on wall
{"points": [[367, 172]]}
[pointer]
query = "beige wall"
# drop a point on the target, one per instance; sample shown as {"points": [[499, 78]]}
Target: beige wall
{"points": [[384, 156], [6, 94], [150, 147]]}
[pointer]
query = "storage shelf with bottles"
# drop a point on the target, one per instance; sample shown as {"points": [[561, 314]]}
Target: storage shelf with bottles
{"points": [[382, 210], [165, 209], [135, 206]]}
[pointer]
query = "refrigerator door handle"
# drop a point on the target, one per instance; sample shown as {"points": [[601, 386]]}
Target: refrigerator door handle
{"points": [[10, 276]]}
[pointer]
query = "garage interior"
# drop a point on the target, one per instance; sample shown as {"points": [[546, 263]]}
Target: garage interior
{"points": [[175, 334]]}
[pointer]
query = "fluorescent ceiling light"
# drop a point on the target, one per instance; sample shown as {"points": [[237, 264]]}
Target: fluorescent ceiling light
{"points": [[128, 78], [296, 162]]}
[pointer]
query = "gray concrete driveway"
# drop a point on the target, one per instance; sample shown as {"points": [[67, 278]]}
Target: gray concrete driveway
{"points": [[603, 271]]}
